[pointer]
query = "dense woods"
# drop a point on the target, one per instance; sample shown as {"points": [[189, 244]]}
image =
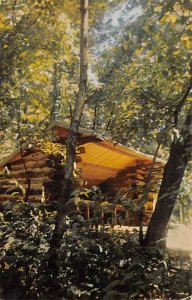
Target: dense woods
{"points": [[121, 70]]}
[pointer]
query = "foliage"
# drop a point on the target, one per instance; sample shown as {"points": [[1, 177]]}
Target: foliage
{"points": [[145, 75], [52, 148], [27, 73], [149, 276], [39, 50], [183, 209], [25, 232], [92, 265]]}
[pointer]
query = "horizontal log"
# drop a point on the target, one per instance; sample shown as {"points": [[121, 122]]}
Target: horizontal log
{"points": [[37, 186], [139, 177], [33, 157], [140, 171], [155, 177], [8, 181], [32, 167], [127, 183], [6, 197], [37, 172], [129, 170], [54, 159], [125, 175], [156, 164], [51, 187], [37, 192], [29, 165], [35, 169], [36, 180], [11, 190]]}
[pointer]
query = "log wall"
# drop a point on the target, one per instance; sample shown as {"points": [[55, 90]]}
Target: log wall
{"points": [[132, 182], [44, 171]]}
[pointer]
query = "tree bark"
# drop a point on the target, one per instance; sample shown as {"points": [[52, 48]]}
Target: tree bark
{"points": [[180, 155], [56, 94], [79, 105], [73, 132]]}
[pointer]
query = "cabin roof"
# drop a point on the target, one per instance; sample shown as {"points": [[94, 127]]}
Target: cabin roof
{"points": [[100, 159]]}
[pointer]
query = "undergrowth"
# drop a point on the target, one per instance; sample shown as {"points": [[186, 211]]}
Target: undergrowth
{"points": [[92, 265]]}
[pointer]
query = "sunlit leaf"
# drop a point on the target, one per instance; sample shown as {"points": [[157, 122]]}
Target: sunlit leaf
{"points": [[157, 8], [138, 51], [173, 18]]}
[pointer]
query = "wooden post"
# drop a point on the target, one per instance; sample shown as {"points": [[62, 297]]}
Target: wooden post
{"points": [[115, 216], [155, 196], [112, 218], [102, 218], [127, 217], [88, 211]]}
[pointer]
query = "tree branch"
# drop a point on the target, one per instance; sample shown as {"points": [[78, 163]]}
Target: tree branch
{"points": [[182, 101], [26, 197]]}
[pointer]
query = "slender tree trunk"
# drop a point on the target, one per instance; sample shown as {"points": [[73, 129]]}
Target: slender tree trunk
{"points": [[180, 155], [79, 105], [95, 121], [51, 263], [73, 132], [28, 177], [56, 94]]}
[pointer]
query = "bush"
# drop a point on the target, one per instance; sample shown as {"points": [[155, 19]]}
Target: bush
{"points": [[92, 265]]}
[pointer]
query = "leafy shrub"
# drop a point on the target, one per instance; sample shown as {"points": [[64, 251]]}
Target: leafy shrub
{"points": [[92, 265], [150, 276], [25, 232]]}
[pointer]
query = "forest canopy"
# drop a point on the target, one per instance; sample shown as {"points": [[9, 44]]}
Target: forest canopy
{"points": [[139, 77]]}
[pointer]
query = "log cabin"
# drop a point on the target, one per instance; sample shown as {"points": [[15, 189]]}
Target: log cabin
{"points": [[37, 169]]}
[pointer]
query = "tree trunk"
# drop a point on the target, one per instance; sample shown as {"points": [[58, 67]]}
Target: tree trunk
{"points": [[79, 105], [73, 132], [180, 154], [56, 94]]}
